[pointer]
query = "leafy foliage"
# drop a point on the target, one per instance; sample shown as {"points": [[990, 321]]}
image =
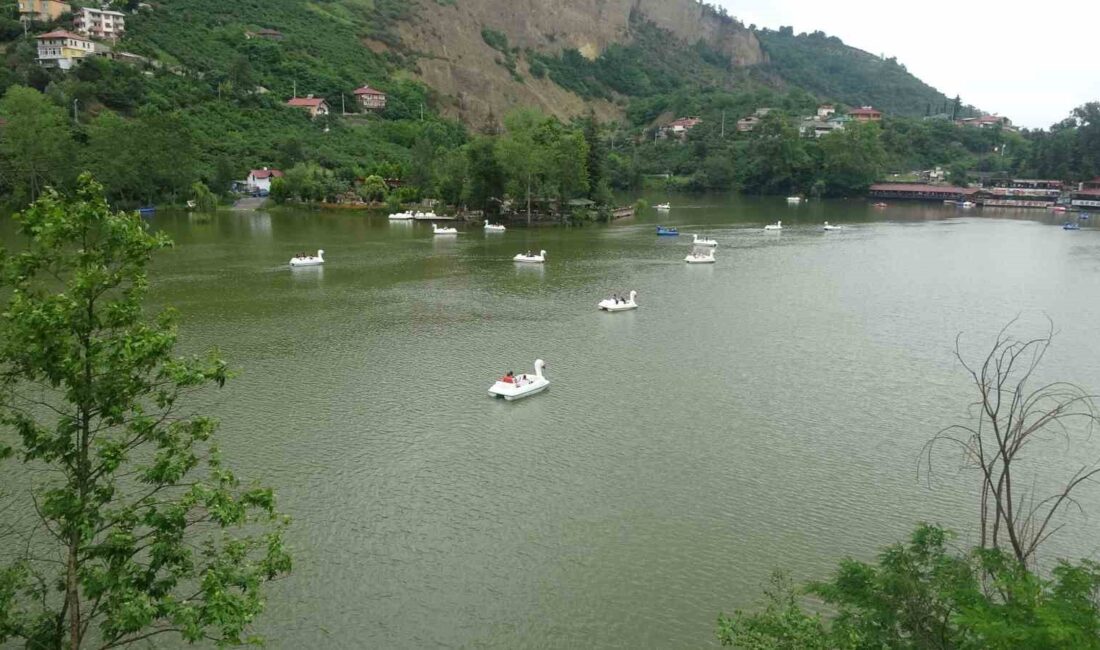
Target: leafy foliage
{"points": [[145, 531], [923, 595]]}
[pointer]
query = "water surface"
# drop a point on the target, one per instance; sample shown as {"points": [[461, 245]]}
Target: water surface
{"points": [[765, 411]]}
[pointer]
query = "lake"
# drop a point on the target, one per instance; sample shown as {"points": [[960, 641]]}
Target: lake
{"points": [[765, 411]]}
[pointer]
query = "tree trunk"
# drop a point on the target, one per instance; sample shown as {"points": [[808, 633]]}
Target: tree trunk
{"points": [[72, 593], [528, 201]]}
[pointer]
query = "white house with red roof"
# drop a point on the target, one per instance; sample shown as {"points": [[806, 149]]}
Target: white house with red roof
{"points": [[316, 106], [370, 99], [60, 49], [260, 179]]}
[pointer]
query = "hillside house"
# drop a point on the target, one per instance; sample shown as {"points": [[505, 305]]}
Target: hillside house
{"points": [[61, 49], [825, 111], [315, 106], [865, 114], [100, 23], [259, 180], [370, 99], [42, 11], [746, 124], [987, 121], [816, 127], [681, 127]]}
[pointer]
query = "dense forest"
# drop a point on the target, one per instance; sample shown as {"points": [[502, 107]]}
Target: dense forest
{"points": [[208, 104]]}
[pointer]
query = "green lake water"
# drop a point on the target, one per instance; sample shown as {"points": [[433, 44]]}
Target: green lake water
{"points": [[765, 411]]}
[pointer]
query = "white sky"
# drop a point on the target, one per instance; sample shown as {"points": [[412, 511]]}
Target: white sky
{"points": [[1032, 63]]}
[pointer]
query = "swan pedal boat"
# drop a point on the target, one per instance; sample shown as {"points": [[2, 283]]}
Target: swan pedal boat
{"points": [[708, 243], [828, 226], [610, 304], [663, 207], [494, 227], [530, 259], [696, 258], [794, 200], [309, 260], [443, 231], [778, 225], [401, 216], [513, 391]]}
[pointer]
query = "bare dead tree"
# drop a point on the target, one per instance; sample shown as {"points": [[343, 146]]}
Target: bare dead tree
{"points": [[1012, 418]]}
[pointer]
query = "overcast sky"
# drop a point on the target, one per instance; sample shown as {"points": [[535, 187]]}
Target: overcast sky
{"points": [[1032, 65]]}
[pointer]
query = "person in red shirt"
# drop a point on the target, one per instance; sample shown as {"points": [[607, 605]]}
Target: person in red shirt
{"points": [[510, 378]]}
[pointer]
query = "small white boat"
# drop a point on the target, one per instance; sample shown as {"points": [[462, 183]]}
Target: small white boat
{"points": [[794, 200], [436, 230], [966, 205], [521, 386], [401, 216], [700, 257], [426, 216], [611, 304], [308, 260], [530, 259], [778, 225], [494, 228], [705, 241], [663, 207], [828, 226]]}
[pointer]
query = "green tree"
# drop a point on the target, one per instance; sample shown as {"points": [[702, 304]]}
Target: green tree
{"points": [[203, 198], [852, 159], [776, 161], [486, 175], [523, 157], [35, 144], [925, 595], [154, 532], [373, 188], [280, 191]]}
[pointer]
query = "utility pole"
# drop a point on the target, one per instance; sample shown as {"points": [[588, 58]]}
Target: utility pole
{"points": [[343, 109], [723, 124], [75, 120]]}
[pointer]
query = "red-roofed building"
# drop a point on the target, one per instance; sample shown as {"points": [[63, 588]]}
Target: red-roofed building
{"points": [[315, 105], [679, 128], [921, 192], [60, 49], [865, 114], [370, 99], [260, 179]]}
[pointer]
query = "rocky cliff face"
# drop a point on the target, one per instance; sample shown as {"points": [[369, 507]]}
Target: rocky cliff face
{"points": [[455, 60]]}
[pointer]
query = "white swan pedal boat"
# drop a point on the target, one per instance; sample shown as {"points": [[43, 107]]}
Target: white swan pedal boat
{"points": [[401, 216], [522, 385], [663, 207], [308, 260], [611, 304], [828, 226], [794, 200], [697, 257], [425, 216], [705, 241], [443, 231], [489, 227], [530, 259], [778, 225]]}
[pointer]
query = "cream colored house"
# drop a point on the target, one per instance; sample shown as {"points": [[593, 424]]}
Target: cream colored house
{"points": [[100, 23], [61, 49]]}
